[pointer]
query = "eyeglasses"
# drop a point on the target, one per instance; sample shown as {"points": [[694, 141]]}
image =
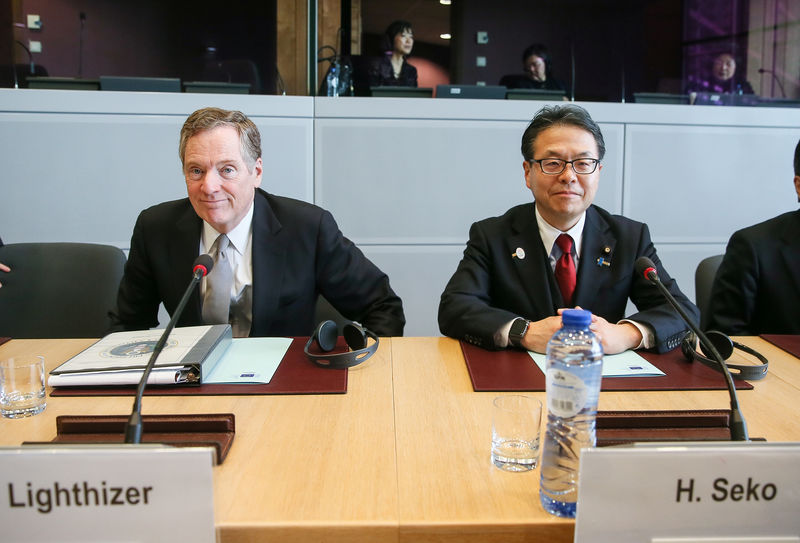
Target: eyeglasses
{"points": [[554, 166]]}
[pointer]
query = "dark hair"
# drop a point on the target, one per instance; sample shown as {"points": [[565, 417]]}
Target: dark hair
{"points": [[540, 50], [797, 159], [211, 117], [568, 114], [397, 27]]}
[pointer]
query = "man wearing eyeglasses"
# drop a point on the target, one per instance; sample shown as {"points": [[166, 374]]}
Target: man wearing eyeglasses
{"points": [[520, 270]]}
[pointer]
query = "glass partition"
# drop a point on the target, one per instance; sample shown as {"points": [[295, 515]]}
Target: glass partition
{"points": [[729, 52]]}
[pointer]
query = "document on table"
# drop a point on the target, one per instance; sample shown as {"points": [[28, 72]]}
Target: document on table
{"points": [[250, 360], [627, 364]]}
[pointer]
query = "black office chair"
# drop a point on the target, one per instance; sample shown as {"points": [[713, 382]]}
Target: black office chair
{"points": [[703, 281], [233, 71], [326, 312], [58, 290]]}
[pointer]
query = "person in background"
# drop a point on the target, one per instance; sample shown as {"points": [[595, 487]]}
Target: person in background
{"points": [[3, 267], [274, 256], [757, 286], [537, 67], [722, 78], [520, 270], [393, 69]]}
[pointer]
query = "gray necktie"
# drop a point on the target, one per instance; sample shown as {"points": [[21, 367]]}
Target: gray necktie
{"points": [[217, 300]]}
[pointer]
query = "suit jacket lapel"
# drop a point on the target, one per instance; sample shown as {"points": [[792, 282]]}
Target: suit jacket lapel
{"points": [[184, 246], [535, 275], [269, 254], [597, 253]]}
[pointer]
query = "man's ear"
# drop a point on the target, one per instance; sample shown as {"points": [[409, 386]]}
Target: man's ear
{"points": [[797, 186], [258, 169], [526, 167]]}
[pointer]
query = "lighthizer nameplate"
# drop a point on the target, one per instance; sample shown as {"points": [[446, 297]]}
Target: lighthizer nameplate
{"points": [[743, 492], [111, 493]]}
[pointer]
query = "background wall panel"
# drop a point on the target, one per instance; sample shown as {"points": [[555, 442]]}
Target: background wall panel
{"points": [[404, 178]]}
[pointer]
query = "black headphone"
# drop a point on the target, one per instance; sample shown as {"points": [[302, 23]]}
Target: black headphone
{"points": [[354, 334], [725, 346]]}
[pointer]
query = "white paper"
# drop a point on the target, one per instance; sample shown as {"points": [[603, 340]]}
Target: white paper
{"points": [[158, 376], [250, 360], [626, 364]]}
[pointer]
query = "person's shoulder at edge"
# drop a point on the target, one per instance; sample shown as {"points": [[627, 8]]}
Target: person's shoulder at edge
{"points": [[759, 230]]}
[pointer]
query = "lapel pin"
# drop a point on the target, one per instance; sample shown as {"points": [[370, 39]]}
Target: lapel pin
{"points": [[604, 260], [519, 253]]}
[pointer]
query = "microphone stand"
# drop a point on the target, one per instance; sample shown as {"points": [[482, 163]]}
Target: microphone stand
{"points": [[133, 429], [775, 77], [737, 425]]}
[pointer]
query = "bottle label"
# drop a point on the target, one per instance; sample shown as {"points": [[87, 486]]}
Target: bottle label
{"points": [[566, 393]]}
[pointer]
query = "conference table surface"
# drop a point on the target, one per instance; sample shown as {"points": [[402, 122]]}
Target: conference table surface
{"points": [[403, 456]]}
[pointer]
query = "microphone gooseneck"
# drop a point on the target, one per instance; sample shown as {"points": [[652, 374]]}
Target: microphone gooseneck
{"points": [[775, 77], [133, 430], [645, 267]]}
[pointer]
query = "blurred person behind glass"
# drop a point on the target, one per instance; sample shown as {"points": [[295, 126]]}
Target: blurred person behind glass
{"points": [[3, 267], [722, 78], [537, 67], [393, 68]]}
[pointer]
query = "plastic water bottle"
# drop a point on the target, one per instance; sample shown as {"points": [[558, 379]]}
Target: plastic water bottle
{"points": [[574, 370], [332, 80]]}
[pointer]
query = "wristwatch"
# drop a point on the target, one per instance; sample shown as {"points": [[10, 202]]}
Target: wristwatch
{"points": [[517, 331]]}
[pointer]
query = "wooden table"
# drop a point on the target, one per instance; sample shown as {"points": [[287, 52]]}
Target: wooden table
{"points": [[450, 491], [302, 467], [403, 456]]}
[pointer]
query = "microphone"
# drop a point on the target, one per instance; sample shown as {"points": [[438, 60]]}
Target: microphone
{"points": [[645, 267], [572, 71], [133, 430], [82, 17], [775, 77]]}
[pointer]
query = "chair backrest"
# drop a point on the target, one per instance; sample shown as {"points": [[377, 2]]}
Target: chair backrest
{"points": [[703, 281], [58, 290], [234, 71], [325, 312]]}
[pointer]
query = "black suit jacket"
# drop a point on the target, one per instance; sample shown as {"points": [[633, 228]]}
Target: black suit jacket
{"points": [[491, 287], [757, 287], [298, 254]]}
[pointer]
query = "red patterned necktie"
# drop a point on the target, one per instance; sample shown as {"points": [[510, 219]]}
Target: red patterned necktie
{"points": [[565, 269]]}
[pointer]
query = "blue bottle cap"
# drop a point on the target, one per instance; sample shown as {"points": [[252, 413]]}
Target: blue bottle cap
{"points": [[576, 317]]}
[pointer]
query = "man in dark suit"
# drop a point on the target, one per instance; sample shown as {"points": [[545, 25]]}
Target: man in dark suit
{"points": [[521, 269], [273, 255], [757, 287]]}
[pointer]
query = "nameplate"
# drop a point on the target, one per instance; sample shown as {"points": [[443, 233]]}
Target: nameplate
{"points": [[721, 492], [106, 493]]}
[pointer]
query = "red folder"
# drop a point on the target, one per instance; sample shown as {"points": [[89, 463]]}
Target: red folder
{"points": [[295, 375], [788, 342], [514, 370], [4, 339]]}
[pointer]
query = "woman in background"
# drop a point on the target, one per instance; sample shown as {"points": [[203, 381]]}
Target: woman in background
{"points": [[722, 78], [393, 69], [537, 67]]}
